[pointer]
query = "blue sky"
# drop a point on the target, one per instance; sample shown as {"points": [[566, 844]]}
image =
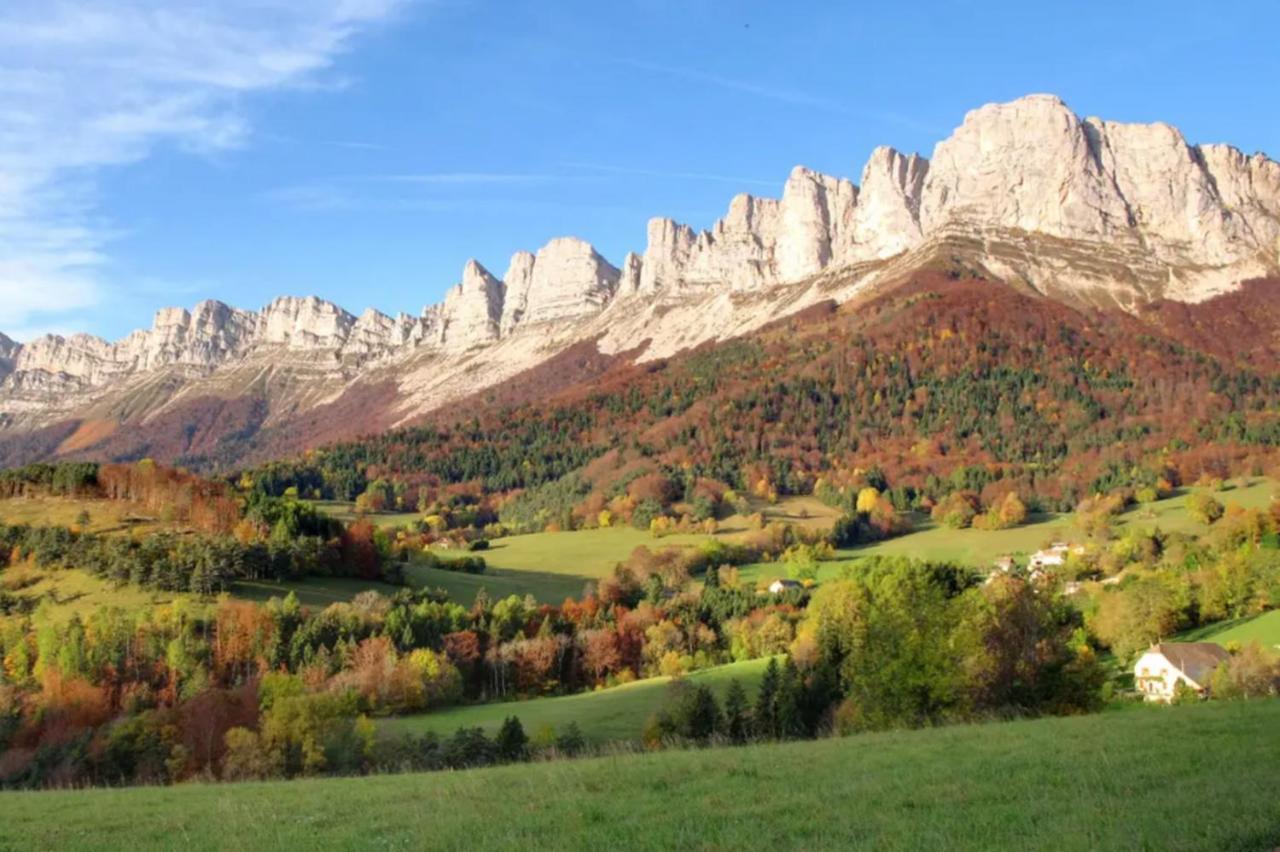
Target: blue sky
{"points": [[159, 152]]}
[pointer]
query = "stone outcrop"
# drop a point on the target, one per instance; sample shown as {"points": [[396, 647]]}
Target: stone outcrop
{"points": [[570, 280], [472, 310], [1075, 207], [1034, 166]]}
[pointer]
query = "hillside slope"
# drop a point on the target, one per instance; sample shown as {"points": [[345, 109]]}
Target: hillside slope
{"points": [[939, 375], [1186, 778]]}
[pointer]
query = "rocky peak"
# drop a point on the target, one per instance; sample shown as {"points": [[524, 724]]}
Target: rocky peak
{"points": [[815, 216], [1032, 165], [1027, 190], [516, 284], [886, 220], [630, 274], [8, 353], [307, 322], [472, 311], [568, 280]]}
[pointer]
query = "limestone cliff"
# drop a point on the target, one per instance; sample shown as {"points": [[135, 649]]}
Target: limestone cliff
{"points": [[1076, 208]]}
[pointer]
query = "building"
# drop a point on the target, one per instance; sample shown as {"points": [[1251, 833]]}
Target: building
{"points": [[1053, 556], [1165, 667], [777, 587]]}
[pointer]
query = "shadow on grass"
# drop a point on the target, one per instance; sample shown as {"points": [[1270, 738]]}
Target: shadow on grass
{"points": [[1204, 631]]}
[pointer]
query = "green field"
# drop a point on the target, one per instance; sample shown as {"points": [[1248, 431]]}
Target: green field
{"points": [[105, 516], [316, 592], [606, 715], [346, 512], [74, 592], [553, 566], [979, 548], [1263, 629], [1198, 777], [549, 565]]}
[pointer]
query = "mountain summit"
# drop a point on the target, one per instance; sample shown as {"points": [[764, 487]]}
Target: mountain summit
{"points": [[1081, 210]]}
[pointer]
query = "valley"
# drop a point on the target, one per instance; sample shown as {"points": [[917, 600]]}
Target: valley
{"points": [[934, 510]]}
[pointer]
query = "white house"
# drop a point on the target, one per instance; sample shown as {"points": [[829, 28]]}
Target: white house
{"points": [[1166, 666], [777, 587], [1053, 556]]}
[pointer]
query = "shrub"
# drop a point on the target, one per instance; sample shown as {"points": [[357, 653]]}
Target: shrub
{"points": [[1204, 508], [957, 510]]}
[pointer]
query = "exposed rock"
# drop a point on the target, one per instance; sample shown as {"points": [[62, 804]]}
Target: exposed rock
{"points": [[1083, 209], [1032, 165], [569, 281], [629, 279], [8, 352], [736, 254], [886, 220], [815, 218], [518, 280], [472, 309], [308, 323]]}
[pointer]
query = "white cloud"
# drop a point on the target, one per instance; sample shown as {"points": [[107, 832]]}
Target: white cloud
{"points": [[89, 84]]}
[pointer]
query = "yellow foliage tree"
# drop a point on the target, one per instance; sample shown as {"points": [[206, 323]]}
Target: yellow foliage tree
{"points": [[867, 498]]}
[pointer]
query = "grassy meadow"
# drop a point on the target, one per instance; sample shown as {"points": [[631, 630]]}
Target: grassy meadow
{"points": [[72, 592], [605, 715], [1180, 778], [1263, 629], [979, 548], [105, 516], [554, 565]]}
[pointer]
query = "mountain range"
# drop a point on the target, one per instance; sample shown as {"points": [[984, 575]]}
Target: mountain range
{"points": [[1092, 213]]}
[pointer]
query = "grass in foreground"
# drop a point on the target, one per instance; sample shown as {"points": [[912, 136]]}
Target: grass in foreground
{"points": [[1182, 778], [606, 715]]}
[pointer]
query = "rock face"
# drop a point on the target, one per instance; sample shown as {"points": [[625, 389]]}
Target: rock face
{"points": [[1033, 166], [569, 281], [1076, 208], [8, 350], [472, 309]]}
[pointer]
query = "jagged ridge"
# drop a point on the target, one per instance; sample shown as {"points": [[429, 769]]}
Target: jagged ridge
{"points": [[1078, 208]]}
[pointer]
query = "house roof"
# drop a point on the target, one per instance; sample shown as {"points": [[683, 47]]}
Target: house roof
{"points": [[1196, 660]]}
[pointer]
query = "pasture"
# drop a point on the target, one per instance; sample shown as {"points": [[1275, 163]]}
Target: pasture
{"points": [[606, 715], [1106, 781]]}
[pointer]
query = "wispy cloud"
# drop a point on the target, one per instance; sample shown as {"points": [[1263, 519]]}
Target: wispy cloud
{"points": [[402, 191], [748, 87], [464, 178], [783, 95], [353, 145], [89, 84], [605, 168]]}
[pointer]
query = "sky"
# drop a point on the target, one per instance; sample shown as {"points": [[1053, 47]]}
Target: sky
{"points": [[161, 152]]}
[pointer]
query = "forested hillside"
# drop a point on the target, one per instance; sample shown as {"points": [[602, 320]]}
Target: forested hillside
{"points": [[944, 384]]}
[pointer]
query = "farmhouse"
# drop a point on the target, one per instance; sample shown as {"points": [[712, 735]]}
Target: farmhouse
{"points": [[777, 587], [1165, 667], [1053, 556]]}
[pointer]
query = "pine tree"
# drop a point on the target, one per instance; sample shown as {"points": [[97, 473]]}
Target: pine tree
{"points": [[735, 713], [789, 722], [512, 743], [704, 717], [571, 741], [713, 577], [766, 715]]}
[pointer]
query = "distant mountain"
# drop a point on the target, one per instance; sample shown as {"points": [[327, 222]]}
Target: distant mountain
{"points": [[1083, 211]]}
